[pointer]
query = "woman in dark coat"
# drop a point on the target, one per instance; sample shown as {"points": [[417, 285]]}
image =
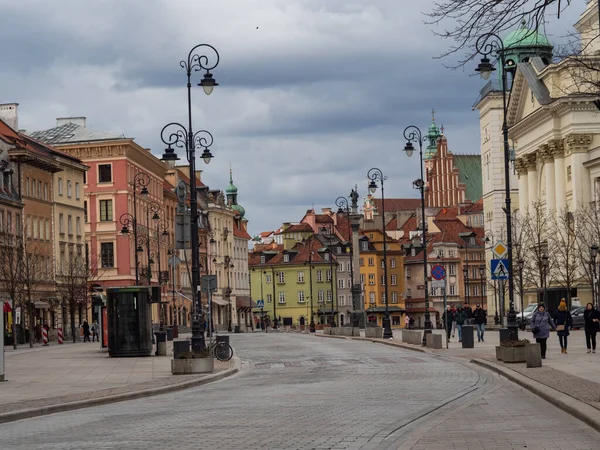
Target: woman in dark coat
{"points": [[563, 322], [592, 324], [86, 331], [541, 322]]}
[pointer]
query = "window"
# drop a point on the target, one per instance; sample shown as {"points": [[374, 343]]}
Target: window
{"points": [[362, 278], [413, 252], [321, 296], [84, 177], [70, 225], [18, 224], [104, 173], [361, 262], [300, 277], [395, 320], [452, 289], [282, 297], [106, 213], [452, 269], [47, 230], [475, 290], [451, 253], [409, 293], [393, 262], [371, 262], [281, 277], [107, 254], [36, 229], [371, 236], [301, 298], [383, 298], [364, 245], [407, 272], [338, 250], [341, 283], [382, 280], [69, 189], [341, 267], [268, 279], [394, 297], [319, 276], [46, 191], [471, 240], [329, 296], [328, 275], [394, 280], [61, 224], [85, 212], [326, 256], [383, 263], [9, 226], [60, 186], [39, 190], [483, 290], [269, 298], [372, 297], [27, 186], [475, 273], [372, 279], [262, 259], [33, 185], [77, 192], [341, 300], [348, 267], [286, 258], [440, 253]]}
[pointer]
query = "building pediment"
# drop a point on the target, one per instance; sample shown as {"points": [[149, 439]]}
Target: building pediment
{"points": [[528, 95]]}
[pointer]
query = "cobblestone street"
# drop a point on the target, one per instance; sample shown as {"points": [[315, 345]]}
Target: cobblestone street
{"points": [[301, 392]]}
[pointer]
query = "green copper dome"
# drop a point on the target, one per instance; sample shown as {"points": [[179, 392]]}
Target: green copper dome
{"points": [[231, 189], [240, 210], [524, 37], [432, 137]]}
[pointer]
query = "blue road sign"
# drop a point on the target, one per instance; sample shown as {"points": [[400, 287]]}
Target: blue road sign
{"points": [[260, 303], [438, 272], [499, 269]]}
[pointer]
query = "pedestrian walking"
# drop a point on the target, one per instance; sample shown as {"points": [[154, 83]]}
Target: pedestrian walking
{"points": [[469, 312], [411, 323], [592, 325], [480, 317], [86, 331], [461, 318], [541, 322], [454, 321], [95, 330], [563, 322], [447, 320], [407, 322]]}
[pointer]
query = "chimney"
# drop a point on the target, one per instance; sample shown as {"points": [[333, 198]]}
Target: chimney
{"points": [[60, 121], [9, 113]]}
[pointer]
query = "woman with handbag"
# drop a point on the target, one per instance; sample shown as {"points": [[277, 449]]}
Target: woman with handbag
{"points": [[541, 322], [563, 321], [592, 324]]}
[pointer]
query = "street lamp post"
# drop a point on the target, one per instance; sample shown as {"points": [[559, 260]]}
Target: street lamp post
{"points": [[176, 134], [274, 302], [482, 277], [487, 44], [465, 271], [545, 274], [593, 256], [375, 175], [413, 134], [331, 281], [312, 327], [344, 208], [228, 266], [140, 180], [521, 264]]}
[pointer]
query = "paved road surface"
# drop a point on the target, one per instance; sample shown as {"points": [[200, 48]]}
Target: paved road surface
{"points": [[317, 393]]}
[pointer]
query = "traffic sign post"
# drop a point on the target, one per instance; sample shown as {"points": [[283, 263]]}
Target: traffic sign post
{"points": [[260, 303], [438, 272], [500, 250], [499, 269]]}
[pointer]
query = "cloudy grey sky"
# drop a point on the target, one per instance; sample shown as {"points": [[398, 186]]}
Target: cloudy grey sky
{"points": [[312, 93]]}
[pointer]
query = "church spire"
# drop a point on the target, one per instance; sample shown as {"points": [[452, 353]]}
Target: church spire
{"points": [[432, 136]]}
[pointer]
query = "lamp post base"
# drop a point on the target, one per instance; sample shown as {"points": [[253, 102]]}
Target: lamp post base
{"points": [[426, 331], [198, 342], [511, 325], [312, 327], [387, 329]]}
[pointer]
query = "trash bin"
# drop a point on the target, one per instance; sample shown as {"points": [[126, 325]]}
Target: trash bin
{"points": [[169, 334], [223, 339], [161, 343], [237, 329], [180, 347], [175, 331], [467, 336]]}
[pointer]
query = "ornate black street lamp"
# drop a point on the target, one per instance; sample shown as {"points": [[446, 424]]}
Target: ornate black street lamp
{"points": [[312, 327], [482, 277], [141, 181], [176, 134], [228, 266], [344, 208], [375, 175], [521, 264], [465, 271], [488, 44], [413, 134], [545, 274], [593, 256]]}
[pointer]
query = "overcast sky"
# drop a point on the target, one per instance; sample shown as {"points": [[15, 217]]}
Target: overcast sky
{"points": [[313, 93]]}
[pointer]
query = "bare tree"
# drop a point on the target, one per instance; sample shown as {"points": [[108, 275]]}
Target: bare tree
{"points": [[588, 234], [11, 249], [562, 240], [32, 274], [463, 21], [534, 244]]}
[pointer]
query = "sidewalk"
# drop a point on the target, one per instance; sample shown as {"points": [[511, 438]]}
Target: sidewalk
{"points": [[58, 375]]}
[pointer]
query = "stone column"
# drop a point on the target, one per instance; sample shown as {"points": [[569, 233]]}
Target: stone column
{"points": [[576, 146], [532, 178], [560, 171], [547, 159], [523, 186]]}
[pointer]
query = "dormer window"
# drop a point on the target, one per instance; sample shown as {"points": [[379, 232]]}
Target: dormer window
{"points": [[364, 245], [326, 256], [471, 241], [286, 258], [262, 259], [413, 252]]}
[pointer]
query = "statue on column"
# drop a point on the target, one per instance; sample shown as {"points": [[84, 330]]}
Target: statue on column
{"points": [[354, 198]]}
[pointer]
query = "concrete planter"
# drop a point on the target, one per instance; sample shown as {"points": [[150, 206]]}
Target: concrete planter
{"points": [[514, 354], [533, 355], [374, 332], [499, 353], [189, 366]]}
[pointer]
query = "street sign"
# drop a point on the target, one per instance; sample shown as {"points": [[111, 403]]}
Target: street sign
{"points": [[260, 303], [438, 284], [438, 272], [499, 269], [500, 250], [209, 283]]}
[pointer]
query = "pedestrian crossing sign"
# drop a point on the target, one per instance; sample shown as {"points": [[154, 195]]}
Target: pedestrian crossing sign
{"points": [[499, 269], [260, 303]]}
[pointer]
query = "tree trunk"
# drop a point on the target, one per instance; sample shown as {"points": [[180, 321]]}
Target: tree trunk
{"points": [[14, 325], [32, 326], [73, 330]]}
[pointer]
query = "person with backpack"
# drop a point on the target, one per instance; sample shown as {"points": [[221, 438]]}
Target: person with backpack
{"points": [[563, 322], [541, 322]]}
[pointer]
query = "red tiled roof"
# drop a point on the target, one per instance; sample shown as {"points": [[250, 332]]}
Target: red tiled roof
{"points": [[300, 254], [323, 218], [266, 233], [299, 227], [392, 225], [476, 207], [398, 204], [240, 232]]}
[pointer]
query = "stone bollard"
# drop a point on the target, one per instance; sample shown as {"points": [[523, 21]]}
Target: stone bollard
{"points": [[434, 341], [533, 355], [405, 336]]}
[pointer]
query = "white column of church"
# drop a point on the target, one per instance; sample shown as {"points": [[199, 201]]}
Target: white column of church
{"points": [[523, 192], [559, 182], [550, 184], [532, 183]]}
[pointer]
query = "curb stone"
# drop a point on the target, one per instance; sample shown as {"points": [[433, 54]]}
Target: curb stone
{"points": [[377, 341], [576, 408], [70, 406]]}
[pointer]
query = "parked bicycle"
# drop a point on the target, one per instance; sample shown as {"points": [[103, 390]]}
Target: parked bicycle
{"points": [[221, 350]]}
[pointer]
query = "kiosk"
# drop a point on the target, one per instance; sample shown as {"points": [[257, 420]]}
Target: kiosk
{"points": [[129, 319]]}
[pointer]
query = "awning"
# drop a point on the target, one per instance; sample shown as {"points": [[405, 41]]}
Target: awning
{"points": [[6, 308], [381, 309], [220, 301], [41, 305]]}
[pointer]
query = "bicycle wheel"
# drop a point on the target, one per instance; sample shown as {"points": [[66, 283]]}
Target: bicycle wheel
{"points": [[223, 351]]}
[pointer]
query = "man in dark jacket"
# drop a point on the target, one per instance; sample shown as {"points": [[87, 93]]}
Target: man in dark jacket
{"points": [[447, 319], [480, 318], [461, 318], [469, 312]]}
